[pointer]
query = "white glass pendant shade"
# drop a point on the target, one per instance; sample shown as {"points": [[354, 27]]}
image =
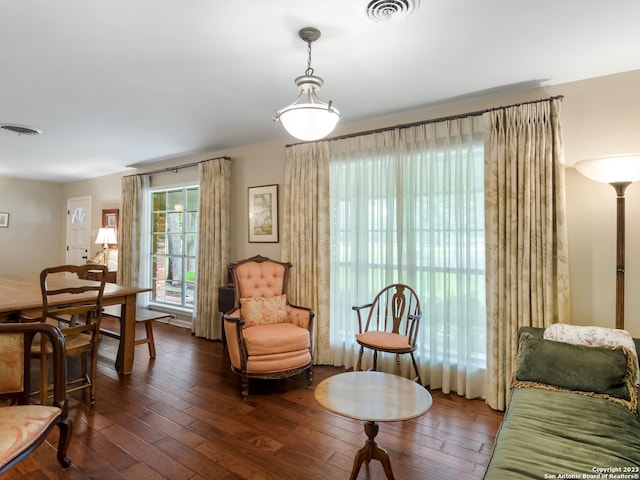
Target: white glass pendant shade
{"points": [[623, 168], [308, 118]]}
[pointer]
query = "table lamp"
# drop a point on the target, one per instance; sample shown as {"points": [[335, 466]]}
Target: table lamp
{"points": [[619, 171], [105, 237]]}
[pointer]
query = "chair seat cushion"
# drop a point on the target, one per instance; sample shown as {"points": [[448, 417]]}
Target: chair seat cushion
{"points": [[72, 344], [384, 340], [21, 425], [275, 338]]}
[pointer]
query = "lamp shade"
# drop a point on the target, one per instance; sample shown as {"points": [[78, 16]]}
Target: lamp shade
{"points": [[624, 168], [309, 121], [106, 236], [308, 118]]}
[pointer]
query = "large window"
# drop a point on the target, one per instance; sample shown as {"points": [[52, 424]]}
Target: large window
{"points": [[411, 210], [174, 246]]}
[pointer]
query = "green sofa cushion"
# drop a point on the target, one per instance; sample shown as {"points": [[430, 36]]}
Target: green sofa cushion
{"points": [[546, 433], [603, 372]]}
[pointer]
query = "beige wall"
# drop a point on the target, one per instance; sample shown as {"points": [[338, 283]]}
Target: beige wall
{"points": [[33, 239], [599, 116]]}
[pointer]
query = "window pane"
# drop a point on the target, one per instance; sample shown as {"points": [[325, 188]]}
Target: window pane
{"points": [[174, 222], [159, 222], [159, 201], [191, 245], [192, 222], [174, 200], [159, 244], [175, 244], [192, 199]]}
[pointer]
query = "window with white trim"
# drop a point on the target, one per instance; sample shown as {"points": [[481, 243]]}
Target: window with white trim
{"points": [[174, 246]]}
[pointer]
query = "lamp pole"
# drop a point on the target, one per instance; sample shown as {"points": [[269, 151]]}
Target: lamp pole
{"points": [[620, 188]]}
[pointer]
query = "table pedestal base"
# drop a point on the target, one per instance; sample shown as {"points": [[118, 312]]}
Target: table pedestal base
{"points": [[370, 451]]}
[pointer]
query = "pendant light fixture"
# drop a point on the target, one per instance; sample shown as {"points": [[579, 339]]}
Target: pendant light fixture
{"points": [[308, 117]]}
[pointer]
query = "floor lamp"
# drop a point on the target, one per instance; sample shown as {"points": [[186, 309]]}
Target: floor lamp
{"points": [[619, 171]]}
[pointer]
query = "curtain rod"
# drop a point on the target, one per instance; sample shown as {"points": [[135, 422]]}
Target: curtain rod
{"points": [[180, 167], [434, 120]]}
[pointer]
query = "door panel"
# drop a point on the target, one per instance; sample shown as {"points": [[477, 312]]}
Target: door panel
{"points": [[78, 230]]}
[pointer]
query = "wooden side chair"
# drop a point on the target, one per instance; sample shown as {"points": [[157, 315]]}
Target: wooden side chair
{"points": [[267, 337], [391, 325], [24, 427], [77, 310]]}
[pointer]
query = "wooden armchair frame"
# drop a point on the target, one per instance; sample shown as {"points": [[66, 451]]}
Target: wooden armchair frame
{"points": [[391, 325], [18, 398], [235, 325]]}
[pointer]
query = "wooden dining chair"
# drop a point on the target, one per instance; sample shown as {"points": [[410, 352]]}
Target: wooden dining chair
{"points": [[24, 427], [77, 310], [390, 325]]}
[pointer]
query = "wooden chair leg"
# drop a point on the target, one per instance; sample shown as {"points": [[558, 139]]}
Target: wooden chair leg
{"points": [[375, 360], [415, 367], [152, 345], [359, 363], [310, 376], [44, 378], [66, 427], [94, 373], [245, 386]]}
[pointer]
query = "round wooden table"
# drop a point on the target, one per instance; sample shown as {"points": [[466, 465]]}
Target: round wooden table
{"points": [[373, 397]]}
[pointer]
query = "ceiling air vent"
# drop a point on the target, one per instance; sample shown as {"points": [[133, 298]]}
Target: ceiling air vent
{"points": [[383, 10], [21, 129]]}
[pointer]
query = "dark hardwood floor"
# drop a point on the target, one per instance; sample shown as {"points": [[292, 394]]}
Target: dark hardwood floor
{"points": [[180, 416]]}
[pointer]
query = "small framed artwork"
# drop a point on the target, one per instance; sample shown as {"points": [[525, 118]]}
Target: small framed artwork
{"points": [[110, 220], [263, 214], [4, 220]]}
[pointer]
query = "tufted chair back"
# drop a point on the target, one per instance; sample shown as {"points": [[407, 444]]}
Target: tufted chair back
{"points": [[260, 277]]}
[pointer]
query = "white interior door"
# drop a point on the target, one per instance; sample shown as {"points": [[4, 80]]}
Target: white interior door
{"points": [[78, 230]]}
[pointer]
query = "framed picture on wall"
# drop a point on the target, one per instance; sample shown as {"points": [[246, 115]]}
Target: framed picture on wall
{"points": [[110, 220], [263, 214], [4, 219]]}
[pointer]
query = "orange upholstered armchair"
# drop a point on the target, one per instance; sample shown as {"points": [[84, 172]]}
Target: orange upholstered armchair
{"points": [[267, 337]]}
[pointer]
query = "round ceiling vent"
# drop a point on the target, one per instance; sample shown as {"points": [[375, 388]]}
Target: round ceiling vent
{"points": [[383, 10], [21, 129]]}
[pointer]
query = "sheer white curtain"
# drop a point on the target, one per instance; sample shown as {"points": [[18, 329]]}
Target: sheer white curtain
{"points": [[407, 206]]}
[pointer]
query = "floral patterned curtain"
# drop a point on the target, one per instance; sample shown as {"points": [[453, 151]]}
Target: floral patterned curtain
{"points": [[305, 234], [526, 232], [213, 245]]}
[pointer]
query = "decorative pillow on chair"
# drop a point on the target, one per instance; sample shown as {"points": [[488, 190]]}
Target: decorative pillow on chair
{"points": [[262, 310], [605, 372], [592, 336]]}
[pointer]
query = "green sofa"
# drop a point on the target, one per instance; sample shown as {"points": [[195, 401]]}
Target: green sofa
{"points": [[550, 431]]}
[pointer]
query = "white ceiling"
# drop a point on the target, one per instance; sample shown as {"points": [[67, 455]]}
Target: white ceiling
{"points": [[115, 83]]}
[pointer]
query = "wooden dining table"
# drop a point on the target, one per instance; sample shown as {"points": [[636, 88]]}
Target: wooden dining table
{"points": [[20, 292]]}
